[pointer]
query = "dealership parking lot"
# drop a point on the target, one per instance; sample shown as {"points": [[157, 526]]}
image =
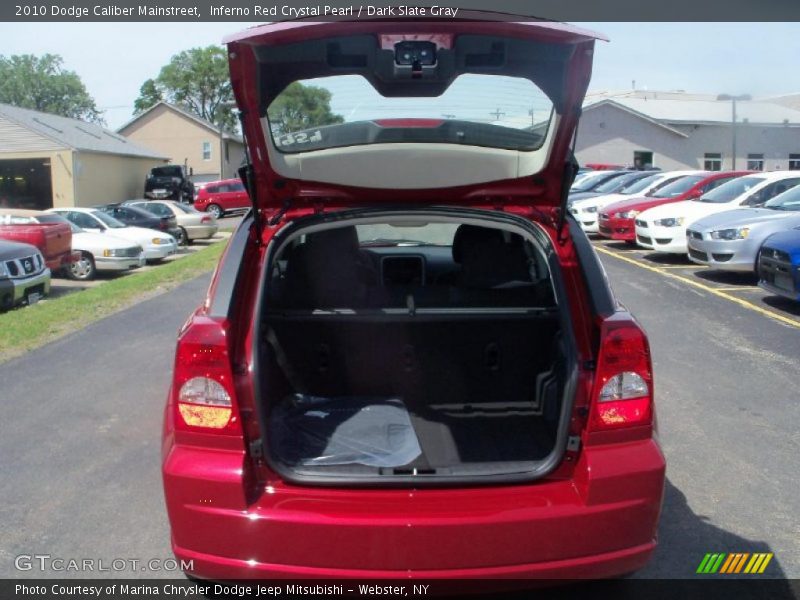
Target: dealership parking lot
{"points": [[61, 286], [81, 453]]}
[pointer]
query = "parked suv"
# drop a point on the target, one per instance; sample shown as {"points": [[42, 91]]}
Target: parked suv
{"points": [[223, 197], [24, 275], [169, 182], [409, 363]]}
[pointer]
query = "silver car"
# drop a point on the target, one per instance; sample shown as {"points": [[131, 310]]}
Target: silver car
{"points": [[730, 240], [194, 225]]}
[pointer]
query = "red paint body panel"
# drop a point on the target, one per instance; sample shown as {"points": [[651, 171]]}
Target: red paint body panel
{"points": [[617, 228], [603, 167], [595, 515], [600, 523], [542, 190]]}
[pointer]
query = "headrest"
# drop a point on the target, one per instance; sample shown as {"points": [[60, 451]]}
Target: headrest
{"points": [[468, 236], [338, 241]]}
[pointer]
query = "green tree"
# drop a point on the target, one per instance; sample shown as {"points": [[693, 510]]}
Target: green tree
{"points": [[196, 80], [42, 83], [149, 94], [300, 107]]}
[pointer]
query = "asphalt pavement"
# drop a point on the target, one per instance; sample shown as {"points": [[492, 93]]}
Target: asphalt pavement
{"points": [[81, 418]]}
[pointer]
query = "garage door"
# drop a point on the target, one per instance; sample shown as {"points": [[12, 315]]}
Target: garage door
{"points": [[26, 183]]}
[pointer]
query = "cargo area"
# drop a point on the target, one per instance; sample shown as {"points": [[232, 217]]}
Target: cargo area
{"points": [[386, 357]]}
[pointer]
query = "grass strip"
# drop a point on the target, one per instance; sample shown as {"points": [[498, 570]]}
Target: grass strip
{"points": [[29, 327]]}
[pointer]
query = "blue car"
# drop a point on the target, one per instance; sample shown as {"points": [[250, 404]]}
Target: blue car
{"points": [[779, 264]]}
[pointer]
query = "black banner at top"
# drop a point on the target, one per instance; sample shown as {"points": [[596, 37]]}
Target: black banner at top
{"points": [[269, 10]]}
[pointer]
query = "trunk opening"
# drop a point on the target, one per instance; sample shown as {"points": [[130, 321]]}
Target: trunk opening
{"points": [[383, 361]]}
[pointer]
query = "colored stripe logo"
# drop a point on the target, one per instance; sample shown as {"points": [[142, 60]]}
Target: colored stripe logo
{"points": [[735, 562]]}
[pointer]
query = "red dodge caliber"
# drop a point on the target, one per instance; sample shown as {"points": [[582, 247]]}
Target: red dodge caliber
{"points": [[409, 363]]}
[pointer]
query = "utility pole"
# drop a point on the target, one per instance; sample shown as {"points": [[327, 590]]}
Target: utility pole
{"points": [[497, 114], [733, 100]]}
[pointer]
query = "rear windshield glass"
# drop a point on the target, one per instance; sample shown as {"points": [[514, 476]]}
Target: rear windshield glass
{"points": [[167, 172], [345, 110], [676, 188], [732, 189], [432, 234], [186, 208]]}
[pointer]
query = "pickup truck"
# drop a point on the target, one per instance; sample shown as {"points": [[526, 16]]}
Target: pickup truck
{"points": [[52, 238], [169, 182]]}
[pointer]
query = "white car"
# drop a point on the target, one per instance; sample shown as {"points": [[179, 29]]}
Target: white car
{"points": [[98, 251], [586, 210], [156, 244], [195, 225], [663, 228]]}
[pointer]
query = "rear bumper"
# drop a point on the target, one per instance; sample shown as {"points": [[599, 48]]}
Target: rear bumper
{"points": [[161, 193], [201, 232], [599, 566], [62, 261], [600, 523]]}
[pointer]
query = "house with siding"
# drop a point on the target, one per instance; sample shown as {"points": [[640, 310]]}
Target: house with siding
{"points": [[688, 131], [209, 153], [47, 160]]}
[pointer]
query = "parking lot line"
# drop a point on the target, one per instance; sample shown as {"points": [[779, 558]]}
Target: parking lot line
{"points": [[702, 286], [684, 267], [741, 288]]}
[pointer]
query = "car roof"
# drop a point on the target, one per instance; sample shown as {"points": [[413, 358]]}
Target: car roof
{"points": [[776, 175], [20, 212], [84, 209], [233, 180]]}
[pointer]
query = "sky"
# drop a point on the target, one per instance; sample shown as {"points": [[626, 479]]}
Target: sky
{"points": [[114, 59]]}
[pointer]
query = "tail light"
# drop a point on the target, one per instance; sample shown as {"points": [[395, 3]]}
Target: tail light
{"points": [[623, 386], [203, 391], [162, 225], [205, 219]]}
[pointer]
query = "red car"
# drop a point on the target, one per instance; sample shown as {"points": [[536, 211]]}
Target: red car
{"points": [[409, 364], [616, 221], [603, 167], [222, 197], [53, 239]]}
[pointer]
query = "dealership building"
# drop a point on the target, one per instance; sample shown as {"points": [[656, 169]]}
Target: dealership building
{"points": [[676, 130]]}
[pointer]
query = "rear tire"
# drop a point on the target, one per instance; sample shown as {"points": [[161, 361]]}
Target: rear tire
{"points": [[215, 210], [183, 238], [84, 269]]}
